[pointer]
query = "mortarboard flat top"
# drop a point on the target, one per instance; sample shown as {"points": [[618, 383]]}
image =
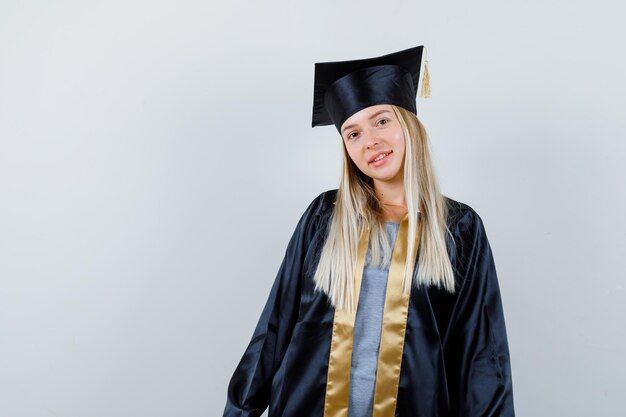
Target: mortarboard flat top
{"points": [[342, 88]]}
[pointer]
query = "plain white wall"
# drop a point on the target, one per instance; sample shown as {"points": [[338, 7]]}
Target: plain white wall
{"points": [[155, 157]]}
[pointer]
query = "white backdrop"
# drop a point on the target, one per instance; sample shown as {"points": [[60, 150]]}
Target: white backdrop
{"points": [[155, 157]]}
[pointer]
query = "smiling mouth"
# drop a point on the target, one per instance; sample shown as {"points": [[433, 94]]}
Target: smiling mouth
{"points": [[378, 160]]}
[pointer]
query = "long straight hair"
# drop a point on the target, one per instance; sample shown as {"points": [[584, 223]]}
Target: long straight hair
{"points": [[357, 208]]}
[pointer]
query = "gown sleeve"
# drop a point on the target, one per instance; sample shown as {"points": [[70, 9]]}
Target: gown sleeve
{"points": [[477, 361], [248, 393]]}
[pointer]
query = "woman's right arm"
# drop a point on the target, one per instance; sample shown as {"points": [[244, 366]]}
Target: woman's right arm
{"points": [[250, 386]]}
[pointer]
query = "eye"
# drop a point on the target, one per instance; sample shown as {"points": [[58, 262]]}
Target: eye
{"points": [[384, 120], [350, 135]]}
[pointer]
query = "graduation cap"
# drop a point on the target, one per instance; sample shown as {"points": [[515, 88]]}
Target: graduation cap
{"points": [[342, 88]]}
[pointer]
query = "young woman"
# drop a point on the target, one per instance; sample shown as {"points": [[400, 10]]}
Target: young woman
{"points": [[387, 301]]}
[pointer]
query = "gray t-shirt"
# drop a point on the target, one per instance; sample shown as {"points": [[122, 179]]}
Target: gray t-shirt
{"points": [[367, 329]]}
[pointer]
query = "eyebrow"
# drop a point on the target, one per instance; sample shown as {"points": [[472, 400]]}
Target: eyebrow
{"points": [[370, 118]]}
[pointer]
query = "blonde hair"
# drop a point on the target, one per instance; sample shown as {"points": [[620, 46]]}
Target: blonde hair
{"points": [[357, 206]]}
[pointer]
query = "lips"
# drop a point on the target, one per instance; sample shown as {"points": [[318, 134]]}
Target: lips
{"points": [[378, 154]]}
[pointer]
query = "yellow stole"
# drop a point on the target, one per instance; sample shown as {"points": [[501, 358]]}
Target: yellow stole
{"points": [[391, 339]]}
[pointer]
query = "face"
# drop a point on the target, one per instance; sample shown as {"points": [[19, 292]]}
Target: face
{"points": [[371, 132]]}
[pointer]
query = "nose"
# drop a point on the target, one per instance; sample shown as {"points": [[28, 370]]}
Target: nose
{"points": [[371, 138]]}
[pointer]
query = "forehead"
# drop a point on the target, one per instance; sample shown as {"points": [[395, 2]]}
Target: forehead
{"points": [[363, 115]]}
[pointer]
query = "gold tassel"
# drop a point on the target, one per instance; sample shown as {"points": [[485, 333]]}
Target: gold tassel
{"points": [[425, 93]]}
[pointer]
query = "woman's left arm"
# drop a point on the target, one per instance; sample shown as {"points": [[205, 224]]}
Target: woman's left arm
{"points": [[477, 352]]}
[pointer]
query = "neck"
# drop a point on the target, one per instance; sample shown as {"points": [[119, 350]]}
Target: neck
{"points": [[391, 194]]}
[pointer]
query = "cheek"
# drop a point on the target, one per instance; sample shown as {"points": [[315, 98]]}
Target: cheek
{"points": [[354, 156], [359, 161], [400, 143]]}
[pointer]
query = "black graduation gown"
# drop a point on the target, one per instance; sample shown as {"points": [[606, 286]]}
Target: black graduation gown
{"points": [[455, 360]]}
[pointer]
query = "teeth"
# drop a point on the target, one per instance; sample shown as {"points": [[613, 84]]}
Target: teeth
{"points": [[381, 156]]}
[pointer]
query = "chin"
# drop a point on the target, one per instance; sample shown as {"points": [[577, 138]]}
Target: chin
{"points": [[383, 176]]}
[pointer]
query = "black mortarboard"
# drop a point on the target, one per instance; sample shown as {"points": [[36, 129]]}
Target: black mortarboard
{"points": [[342, 88]]}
